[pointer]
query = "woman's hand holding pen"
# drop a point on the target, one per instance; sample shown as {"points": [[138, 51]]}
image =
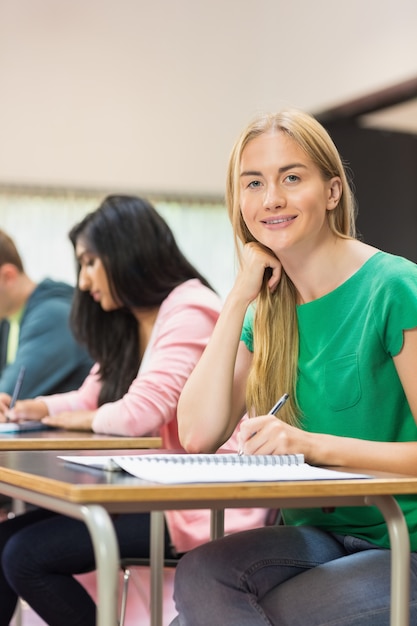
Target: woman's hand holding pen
{"points": [[27, 410], [266, 434], [38, 410], [275, 409]]}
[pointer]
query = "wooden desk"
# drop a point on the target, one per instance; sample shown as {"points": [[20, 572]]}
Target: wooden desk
{"points": [[61, 439], [90, 495], [57, 439]]}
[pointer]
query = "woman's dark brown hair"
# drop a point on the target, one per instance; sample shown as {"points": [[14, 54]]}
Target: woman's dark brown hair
{"points": [[143, 265]]}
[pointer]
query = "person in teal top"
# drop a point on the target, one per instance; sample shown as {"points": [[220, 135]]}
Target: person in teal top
{"points": [[35, 332], [319, 314]]}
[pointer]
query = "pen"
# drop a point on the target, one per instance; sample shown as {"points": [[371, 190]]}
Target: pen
{"points": [[17, 387], [279, 404]]}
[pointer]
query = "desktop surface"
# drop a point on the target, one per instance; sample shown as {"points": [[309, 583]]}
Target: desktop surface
{"points": [[41, 478], [60, 439], [44, 472]]}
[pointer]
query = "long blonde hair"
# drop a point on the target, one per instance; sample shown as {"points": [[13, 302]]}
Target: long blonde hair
{"points": [[275, 329]]}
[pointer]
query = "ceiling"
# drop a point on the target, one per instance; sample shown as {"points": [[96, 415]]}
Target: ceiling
{"points": [[152, 97]]}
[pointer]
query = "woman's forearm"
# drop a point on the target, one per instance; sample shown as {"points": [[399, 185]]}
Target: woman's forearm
{"points": [[212, 400], [398, 457]]}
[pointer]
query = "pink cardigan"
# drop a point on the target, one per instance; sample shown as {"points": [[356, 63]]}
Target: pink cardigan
{"points": [[182, 329]]}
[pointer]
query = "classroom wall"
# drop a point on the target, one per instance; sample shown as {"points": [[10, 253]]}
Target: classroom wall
{"points": [[384, 170], [133, 95], [151, 94]]}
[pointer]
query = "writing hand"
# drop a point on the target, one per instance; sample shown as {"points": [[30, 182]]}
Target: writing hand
{"points": [[27, 410], [266, 434]]}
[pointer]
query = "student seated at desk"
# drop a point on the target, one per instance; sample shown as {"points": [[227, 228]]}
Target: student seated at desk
{"points": [[35, 332], [333, 321], [145, 314]]}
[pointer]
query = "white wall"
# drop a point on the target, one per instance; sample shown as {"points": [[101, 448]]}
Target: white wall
{"points": [[40, 225], [150, 94]]}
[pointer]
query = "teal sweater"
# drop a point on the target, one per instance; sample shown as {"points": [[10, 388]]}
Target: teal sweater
{"points": [[53, 360]]}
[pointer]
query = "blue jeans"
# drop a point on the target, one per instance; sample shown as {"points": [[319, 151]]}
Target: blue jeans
{"points": [[287, 576], [40, 552]]}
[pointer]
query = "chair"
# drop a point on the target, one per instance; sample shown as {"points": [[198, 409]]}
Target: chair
{"points": [[126, 565], [273, 518], [18, 507]]}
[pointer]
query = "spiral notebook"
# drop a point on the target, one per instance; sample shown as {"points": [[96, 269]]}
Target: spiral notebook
{"points": [[212, 468]]}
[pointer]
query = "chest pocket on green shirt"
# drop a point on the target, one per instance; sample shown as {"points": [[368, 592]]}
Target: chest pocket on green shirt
{"points": [[342, 384]]}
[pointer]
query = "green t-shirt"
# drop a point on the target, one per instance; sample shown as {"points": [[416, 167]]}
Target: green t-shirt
{"points": [[347, 383]]}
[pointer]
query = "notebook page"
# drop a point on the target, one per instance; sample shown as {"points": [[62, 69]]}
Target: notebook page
{"points": [[20, 427], [170, 472], [188, 468]]}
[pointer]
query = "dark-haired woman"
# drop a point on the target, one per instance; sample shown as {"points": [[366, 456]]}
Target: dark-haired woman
{"points": [[145, 314]]}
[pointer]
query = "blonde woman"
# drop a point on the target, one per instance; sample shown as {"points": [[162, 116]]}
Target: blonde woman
{"points": [[332, 321]]}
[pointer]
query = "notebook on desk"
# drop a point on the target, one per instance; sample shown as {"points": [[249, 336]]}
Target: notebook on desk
{"points": [[20, 427], [212, 468]]}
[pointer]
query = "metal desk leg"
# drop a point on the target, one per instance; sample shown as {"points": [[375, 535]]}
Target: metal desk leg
{"points": [[107, 559], [157, 549], [400, 558], [217, 523], [157, 557]]}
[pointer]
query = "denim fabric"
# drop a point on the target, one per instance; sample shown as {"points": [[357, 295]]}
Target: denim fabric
{"points": [[40, 552], [287, 576]]}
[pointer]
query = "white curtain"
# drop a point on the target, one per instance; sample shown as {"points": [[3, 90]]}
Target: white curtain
{"points": [[39, 224]]}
